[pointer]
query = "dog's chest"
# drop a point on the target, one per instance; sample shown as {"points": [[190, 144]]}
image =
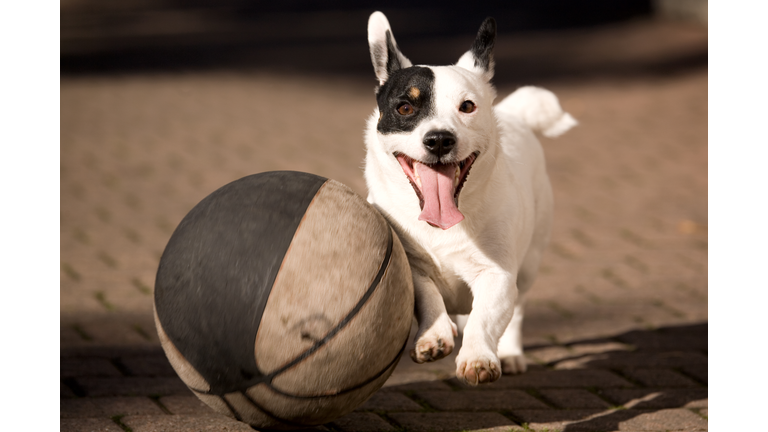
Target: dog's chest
{"points": [[457, 253]]}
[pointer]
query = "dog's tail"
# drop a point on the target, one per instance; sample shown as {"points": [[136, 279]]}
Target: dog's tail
{"points": [[539, 109]]}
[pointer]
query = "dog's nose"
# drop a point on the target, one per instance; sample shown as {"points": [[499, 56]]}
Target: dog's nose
{"points": [[439, 143]]}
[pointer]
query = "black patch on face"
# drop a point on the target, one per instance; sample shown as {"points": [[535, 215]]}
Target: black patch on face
{"points": [[398, 90], [482, 48]]}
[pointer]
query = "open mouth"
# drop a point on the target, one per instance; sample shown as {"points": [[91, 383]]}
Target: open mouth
{"points": [[438, 187]]}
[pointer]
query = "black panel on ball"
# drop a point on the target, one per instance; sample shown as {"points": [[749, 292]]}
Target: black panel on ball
{"points": [[216, 273]]}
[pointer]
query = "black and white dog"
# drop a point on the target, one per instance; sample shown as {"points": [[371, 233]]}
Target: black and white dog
{"points": [[474, 242]]}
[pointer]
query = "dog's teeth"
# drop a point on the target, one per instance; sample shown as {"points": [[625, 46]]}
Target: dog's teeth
{"points": [[416, 176], [457, 176]]}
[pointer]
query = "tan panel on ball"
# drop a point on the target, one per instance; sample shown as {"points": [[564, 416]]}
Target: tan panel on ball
{"points": [[215, 402], [183, 368], [319, 410], [252, 415], [364, 348], [335, 254]]}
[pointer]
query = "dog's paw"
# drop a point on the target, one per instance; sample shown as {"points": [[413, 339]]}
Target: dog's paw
{"points": [[513, 364], [435, 343], [478, 370]]}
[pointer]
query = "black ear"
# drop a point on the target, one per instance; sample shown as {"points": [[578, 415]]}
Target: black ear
{"points": [[482, 48], [385, 55], [479, 58], [393, 60]]}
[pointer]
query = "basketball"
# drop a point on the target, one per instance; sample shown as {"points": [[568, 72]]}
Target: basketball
{"points": [[283, 300]]}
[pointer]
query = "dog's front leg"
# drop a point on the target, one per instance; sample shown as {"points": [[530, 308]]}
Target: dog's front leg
{"points": [[495, 293], [434, 339]]}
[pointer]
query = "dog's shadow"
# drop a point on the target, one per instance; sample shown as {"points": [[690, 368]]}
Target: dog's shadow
{"points": [[631, 378]]}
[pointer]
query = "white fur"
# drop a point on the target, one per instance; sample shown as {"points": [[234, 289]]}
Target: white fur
{"points": [[377, 28], [539, 109], [485, 264]]}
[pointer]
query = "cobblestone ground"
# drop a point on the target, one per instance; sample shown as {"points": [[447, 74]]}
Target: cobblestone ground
{"points": [[616, 325]]}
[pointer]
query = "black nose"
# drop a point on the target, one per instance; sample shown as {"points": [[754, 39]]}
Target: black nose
{"points": [[439, 143]]}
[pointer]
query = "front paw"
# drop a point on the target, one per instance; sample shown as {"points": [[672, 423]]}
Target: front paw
{"points": [[474, 370], [435, 343]]}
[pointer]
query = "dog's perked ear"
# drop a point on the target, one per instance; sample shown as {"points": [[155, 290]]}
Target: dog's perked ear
{"points": [[385, 55], [479, 58]]}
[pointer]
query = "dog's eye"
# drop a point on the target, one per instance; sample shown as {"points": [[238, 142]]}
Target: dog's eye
{"points": [[405, 109], [467, 106]]}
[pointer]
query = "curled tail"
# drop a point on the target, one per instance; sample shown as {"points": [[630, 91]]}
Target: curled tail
{"points": [[537, 108]]}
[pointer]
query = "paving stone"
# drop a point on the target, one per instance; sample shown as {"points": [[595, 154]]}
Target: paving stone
{"points": [[127, 405], [554, 354], [65, 391], [611, 420], [479, 400], [88, 425], [148, 365], [132, 386], [182, 423], [423, 385], [573, 398], [87, 366], [186, 404], [439, 422], [619, 360], [115, 332], [656, 398], [658, 378], [549, 354], [108, 407], [111, 351], [362, 422], [389, 401], [688, 337], [504, 429], [698, 371], [77, 408], [559, 419], [662, 420], [563, 379]]}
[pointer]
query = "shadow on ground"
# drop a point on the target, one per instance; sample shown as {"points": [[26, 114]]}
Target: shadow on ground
{"points": [[638, 378]]}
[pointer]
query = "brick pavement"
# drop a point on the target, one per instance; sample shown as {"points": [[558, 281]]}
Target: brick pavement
{"points": [[616, 326]]}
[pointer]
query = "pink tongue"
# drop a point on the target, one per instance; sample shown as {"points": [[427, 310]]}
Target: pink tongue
{"points": [[437, 189]]}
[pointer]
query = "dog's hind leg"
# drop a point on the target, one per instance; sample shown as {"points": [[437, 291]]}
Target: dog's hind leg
{"points": [[511, 343]]}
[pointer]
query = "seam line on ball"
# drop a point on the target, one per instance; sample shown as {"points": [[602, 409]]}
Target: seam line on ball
{"points": [[347, 390], [343, 323]]}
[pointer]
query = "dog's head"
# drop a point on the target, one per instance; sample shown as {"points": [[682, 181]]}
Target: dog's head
{"points": [[435, 121]]}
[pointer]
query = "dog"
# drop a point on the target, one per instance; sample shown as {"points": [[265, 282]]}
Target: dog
{"points": [[473, 241]]}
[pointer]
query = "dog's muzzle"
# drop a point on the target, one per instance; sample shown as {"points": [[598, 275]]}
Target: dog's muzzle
{"points": [[438, 186]]}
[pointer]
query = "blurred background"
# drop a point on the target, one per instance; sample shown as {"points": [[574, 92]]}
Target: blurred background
{"points": [[164, 101], [538, 38]]}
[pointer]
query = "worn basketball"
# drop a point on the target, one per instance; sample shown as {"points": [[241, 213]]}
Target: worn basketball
{"points": [[284, 300]]}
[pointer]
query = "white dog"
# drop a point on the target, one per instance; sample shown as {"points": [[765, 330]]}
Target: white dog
{"points": [[473, 241]]}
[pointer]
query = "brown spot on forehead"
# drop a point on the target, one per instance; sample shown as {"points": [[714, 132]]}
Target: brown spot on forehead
{"points": [[414, 92]]}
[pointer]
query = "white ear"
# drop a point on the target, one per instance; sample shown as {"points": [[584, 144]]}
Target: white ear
{"points": [[385, 55], [479, 58]]}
